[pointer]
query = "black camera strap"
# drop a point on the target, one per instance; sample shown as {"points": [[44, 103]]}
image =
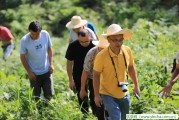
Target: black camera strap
{"points": [[114, 64]]}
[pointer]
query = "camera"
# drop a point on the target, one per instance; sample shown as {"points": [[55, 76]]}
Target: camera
{"points": [[123, 85]]}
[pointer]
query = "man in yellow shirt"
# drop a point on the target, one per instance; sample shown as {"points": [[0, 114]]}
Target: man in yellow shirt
{"points": [[111, 68]]}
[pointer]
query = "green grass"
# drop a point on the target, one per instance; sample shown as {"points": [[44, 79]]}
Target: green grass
{"points": [[154, 44]]}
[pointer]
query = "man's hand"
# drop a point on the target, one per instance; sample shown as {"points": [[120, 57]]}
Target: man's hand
{"points": [[51, 69], [137, 90], [166, 90], [72, 85], [82, 94], [98, 100], [31, 75]]}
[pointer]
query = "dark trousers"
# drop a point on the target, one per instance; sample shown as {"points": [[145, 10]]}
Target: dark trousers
{"points": [[97, 111], [83, 103], [45, 83]]}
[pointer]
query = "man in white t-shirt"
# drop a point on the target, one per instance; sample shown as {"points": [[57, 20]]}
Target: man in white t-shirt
{"points": [[37, 59], [75, 25]]}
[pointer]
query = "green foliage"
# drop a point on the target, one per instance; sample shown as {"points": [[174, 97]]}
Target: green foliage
{"points": [[155, 43], [127, 13]]}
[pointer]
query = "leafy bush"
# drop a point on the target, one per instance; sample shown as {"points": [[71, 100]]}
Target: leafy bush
{"points": [[154, 44]]}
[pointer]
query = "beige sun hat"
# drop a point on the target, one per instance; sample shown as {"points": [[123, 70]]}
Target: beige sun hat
{"points": [[102, 42], [76, 22], [115, 29]]}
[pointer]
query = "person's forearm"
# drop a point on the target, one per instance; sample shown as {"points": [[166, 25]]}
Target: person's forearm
{"points": [[84, 77], [96, 83], [96, 87], [174, 77], [133, 75], [69, 70], [25, 64], [50, 54]]}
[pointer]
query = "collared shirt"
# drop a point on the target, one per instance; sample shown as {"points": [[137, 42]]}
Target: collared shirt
{"points": [[76, 53], [108, 79]]}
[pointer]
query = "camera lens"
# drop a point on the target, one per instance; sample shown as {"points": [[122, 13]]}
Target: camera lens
{"points": [[124, 88]]}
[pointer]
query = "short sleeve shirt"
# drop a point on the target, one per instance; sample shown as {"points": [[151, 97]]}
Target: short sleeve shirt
{"points": [[5, 34], [76, 53], [89, 61], [108, 79], [36, 52]]}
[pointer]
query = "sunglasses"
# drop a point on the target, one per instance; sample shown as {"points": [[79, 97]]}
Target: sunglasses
{"points": [[116, 40], [82, 34]]}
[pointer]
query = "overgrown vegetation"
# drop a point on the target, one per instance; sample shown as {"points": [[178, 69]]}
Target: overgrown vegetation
{"points": [[155, 43]]}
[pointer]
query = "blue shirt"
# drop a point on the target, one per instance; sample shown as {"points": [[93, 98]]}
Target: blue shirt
{"points": [[36, 52], [91, 26]]}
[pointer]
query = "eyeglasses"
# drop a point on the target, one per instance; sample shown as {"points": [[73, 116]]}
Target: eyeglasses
{"points": [[116, 40], [83, 34]]}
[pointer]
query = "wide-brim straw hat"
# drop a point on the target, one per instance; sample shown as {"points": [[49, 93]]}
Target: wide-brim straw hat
{"points": [[76, 22], [116, 29], [102, 42]]}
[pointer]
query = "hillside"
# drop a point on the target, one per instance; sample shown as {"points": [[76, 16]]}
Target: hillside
{"points": [[155, 25]]}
